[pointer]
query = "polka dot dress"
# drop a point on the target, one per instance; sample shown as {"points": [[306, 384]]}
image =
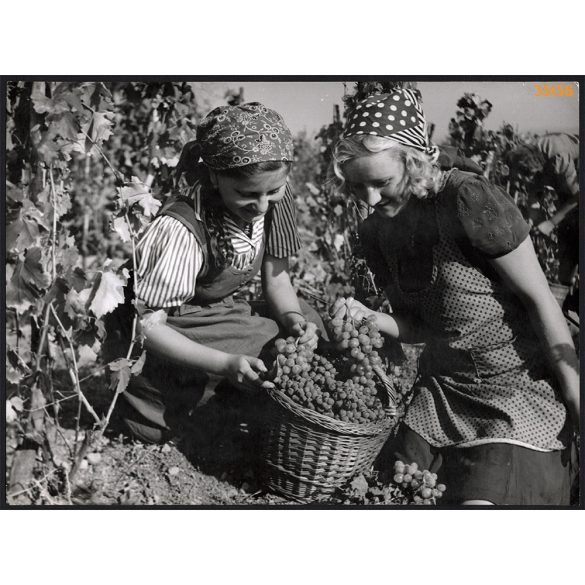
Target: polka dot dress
{"points": [[482, 376]]}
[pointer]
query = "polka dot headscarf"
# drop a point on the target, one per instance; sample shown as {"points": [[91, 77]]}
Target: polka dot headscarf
{"points": [[397, 115]]}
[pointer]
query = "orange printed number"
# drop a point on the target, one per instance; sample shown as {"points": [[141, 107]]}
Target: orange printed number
{"points": [[549, 90]]}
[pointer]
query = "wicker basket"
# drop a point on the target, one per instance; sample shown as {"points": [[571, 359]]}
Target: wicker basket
{"points": [[307, 454]]}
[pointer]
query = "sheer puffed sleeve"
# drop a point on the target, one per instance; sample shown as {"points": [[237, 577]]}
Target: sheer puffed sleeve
{"points": [[490, 218]]}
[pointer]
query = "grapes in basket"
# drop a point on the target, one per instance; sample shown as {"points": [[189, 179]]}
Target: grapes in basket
{"points": [[346, 384]]}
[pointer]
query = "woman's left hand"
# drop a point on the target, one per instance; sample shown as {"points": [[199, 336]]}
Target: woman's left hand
{"points": [[350, 307], [307, 332]]}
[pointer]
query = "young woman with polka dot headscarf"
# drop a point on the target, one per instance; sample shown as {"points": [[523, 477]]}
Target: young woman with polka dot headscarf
{"points": [[496, 401]]}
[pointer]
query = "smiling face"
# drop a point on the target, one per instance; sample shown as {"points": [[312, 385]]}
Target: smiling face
{"points": [[378, 180], [249, 198]]}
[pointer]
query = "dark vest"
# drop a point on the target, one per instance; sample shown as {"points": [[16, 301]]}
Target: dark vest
{"points": [[213, 283]]}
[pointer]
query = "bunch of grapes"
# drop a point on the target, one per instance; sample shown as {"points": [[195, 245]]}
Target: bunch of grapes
{"points": [[419, 485], [311, 380], [359, 341]]}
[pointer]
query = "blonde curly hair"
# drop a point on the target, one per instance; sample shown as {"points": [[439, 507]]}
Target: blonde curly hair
{"points": [[421, 176]]}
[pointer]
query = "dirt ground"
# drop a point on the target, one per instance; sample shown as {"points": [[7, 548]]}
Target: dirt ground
{"points": [[216, 463]]}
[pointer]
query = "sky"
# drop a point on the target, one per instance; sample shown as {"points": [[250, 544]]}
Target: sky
{"points": [[309, 105]]}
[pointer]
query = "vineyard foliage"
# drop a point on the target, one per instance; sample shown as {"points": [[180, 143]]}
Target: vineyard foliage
{"points": [[88, 165], [491, 150]]}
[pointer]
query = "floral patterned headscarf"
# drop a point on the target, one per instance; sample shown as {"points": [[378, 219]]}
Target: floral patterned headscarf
{"points": [[397, 115], [235, 136]]}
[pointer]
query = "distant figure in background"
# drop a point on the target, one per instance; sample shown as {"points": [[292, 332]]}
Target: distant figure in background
{"points": [[553, 160], [451, 157]]}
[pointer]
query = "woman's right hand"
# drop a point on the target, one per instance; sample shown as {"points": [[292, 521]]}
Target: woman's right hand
{"points": [[245, 370], [351, 307]]}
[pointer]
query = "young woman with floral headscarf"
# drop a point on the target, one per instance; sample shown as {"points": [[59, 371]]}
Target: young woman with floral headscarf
{"points": [[233, 218], [498, 389]]}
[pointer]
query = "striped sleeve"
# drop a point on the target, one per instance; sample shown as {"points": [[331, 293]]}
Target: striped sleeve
{"points": [[169, 259], [283, 238]]}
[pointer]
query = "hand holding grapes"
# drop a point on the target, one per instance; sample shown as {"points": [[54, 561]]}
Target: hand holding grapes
{"points": [[306, 332], [245, 370], [351, 307], [311, 379]]}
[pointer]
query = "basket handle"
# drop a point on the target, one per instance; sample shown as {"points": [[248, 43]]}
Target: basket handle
{"points": [[389, 387]]}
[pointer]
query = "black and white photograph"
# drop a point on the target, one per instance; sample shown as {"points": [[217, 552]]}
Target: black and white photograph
{"points": [[292, 293]]}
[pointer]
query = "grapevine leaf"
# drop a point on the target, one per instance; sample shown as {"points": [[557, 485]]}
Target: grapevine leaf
{"points": [[33, 212], [119, 380], [45, 105], [49, 150], [21, 233], [73, 101], [78, 279], [87, 355], [100, 129], [137, 192], [359, 485], [13, 193], [16, 367], [121, 227], [119, 364], [108, 294], [11, 414], [37, 402], [90, 334], [151, 319], [138, 222], [79, 145], [100, 97], [17, 403], [150, 205], [64, 125], [120, 374], [139, 364], [76, 302], [22, 230], [58, 202], [57, 294], [28, 281], [338, 242], [67, 258]]}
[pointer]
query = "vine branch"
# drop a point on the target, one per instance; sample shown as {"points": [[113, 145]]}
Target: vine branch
{"points": [[74, 373]]}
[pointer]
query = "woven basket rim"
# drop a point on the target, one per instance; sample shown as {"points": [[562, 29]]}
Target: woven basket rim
{"points": [[342, 427]]}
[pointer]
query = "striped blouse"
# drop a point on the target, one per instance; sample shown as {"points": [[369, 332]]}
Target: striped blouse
{"points": [[169, 257]]}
